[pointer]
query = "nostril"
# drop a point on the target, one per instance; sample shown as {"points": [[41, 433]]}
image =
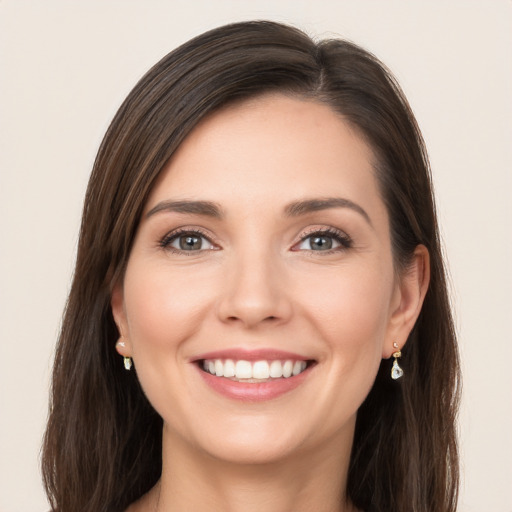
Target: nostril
{"points": [[266, 319]]}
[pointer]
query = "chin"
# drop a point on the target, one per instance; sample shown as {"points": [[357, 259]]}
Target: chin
{"points": [[243, 440], [253, 452]]}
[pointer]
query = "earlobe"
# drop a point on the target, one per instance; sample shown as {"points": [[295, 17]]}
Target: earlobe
{"points": [[412, 289], [123, 346]]}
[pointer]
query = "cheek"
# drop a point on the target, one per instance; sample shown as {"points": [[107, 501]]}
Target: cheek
{"points": [[346, 310], [163, 307], [350, 307]]}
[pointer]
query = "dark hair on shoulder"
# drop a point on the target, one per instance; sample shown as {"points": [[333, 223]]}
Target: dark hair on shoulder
{"points": [[102, 447]]}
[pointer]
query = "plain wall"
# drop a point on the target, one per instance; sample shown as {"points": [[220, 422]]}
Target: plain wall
{"points": [[66, 66]]}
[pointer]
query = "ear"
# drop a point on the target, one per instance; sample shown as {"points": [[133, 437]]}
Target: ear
{"points": [[408, 300], [123, 345]]}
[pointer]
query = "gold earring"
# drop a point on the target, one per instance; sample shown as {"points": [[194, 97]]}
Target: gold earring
{"points": [[396, 371]]}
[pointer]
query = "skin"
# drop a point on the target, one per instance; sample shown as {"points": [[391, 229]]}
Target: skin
{"points": [[257, 282]]}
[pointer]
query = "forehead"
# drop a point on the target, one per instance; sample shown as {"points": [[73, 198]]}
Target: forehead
{"points": [[271, 148]]}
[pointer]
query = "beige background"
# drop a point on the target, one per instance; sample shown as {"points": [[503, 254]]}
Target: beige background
{"points": [[66, 66]]}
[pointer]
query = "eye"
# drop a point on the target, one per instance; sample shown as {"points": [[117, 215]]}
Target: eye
{"points": [[324, 241], [187, 241]]}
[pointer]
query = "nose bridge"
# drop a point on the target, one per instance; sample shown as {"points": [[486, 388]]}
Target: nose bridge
{"points": [[254, 288]]}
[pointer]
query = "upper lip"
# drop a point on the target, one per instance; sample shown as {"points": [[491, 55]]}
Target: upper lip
{"points": [[263, 354]]}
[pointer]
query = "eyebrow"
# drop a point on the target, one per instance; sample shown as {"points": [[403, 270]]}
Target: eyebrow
{"points": [[314, 205], [206, 208], [295, 209]]}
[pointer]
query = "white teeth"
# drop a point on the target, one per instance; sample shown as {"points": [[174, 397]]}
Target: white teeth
{"points": [[229, 368], [260, 370], [276, 369], [219, 368], [243, 370], [287, 369], [298, 367]]}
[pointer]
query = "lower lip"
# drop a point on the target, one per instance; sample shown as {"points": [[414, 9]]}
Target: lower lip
{"points": [[253, 391]]}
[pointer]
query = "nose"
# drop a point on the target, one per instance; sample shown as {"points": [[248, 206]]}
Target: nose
{"points": [[254, 292]]}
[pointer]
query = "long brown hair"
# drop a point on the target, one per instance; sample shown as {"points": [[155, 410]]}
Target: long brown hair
{"points": [[102, 448]]}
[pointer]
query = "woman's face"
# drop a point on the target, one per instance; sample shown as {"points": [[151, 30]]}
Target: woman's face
{"points": [[264, 250]]}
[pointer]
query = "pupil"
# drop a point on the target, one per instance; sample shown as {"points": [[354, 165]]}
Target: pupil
{"points": [[321, 242], [189, 243]]}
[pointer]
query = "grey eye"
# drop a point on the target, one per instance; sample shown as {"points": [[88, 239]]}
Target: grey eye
{"points": [[190, 242], [319, 243]]}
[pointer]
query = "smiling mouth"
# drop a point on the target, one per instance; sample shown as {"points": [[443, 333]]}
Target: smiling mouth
{"points": [[254, 371]]}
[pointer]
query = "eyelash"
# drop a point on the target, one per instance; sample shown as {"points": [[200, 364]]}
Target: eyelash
{"points": [[166, 241], [339, 236]]}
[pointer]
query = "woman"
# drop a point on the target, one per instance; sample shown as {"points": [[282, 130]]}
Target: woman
{"points": [[258, 241]]}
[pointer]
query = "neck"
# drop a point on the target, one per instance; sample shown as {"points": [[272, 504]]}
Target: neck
{"points": [[302, 482]]}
